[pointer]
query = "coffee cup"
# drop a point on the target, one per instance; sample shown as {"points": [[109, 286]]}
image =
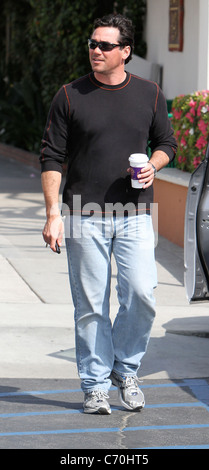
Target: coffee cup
{"points": [[137, 162]]}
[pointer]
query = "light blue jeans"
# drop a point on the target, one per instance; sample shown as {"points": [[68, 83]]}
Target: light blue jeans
{"points": [[101, 346]]}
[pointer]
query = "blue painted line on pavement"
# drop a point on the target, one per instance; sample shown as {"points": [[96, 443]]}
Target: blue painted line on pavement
{"points": [[194, 404], [54, 392], [39, 392], [80, 410], [59, 431], [40, 413], [105, 430], [166, 426], [185, 383]]}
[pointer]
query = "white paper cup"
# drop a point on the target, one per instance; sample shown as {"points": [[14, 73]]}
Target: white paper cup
{"points": [[137, 162]]}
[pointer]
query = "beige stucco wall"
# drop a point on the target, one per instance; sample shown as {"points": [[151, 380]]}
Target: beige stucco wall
{"points": [[186, 71]]}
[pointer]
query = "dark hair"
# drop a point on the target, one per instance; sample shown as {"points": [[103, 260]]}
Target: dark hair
{"points": [[125, 27]]}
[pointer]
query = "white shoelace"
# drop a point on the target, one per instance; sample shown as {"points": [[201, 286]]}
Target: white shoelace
{"points": [[131, 383], [99, 395]]}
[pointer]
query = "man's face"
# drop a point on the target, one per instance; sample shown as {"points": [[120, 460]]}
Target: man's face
{"points": [[111, 61]]}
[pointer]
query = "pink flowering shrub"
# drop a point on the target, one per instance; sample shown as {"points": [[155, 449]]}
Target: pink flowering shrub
{"points": [[190, 122]]}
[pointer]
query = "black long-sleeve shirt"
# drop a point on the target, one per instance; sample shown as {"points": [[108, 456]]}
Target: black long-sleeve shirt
{"points": [[97, 127]]}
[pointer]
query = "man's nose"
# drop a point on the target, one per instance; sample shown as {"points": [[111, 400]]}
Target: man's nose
{"points": [[98, 50]]}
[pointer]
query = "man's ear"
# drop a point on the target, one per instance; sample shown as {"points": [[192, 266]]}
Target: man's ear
{"points": [[126, 52]]}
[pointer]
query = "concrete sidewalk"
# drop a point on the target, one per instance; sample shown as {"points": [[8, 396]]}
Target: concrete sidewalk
{"points": [[37, 326]]}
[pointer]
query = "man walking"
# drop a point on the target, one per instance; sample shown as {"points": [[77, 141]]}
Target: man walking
{"points": [[97, 121]]}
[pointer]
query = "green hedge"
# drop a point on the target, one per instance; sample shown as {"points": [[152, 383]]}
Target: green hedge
{"points": [[43, 46]]}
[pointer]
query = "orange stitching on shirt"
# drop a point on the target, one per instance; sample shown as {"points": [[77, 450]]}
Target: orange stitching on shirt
{"points": [[110, 89], [156, 98], [67, 98], [48, 128], [50, 118]]}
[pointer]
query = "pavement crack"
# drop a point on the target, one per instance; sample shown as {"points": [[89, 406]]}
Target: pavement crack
{"points": [[121, 437], [24, 280]]}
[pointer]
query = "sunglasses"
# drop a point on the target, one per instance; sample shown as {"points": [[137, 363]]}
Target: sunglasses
{"points": [[102, 45]]}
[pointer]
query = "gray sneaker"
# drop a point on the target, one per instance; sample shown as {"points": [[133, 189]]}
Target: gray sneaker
{"points": [[96, 402], [130, 395]]}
